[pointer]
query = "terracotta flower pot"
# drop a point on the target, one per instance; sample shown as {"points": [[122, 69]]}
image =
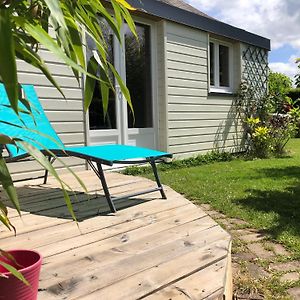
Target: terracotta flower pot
{"points": [[29, 264]]}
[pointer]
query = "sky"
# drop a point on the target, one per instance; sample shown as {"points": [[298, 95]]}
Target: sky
{"points": [[278, 20]]}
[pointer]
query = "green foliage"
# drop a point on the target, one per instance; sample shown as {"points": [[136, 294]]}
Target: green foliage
{"points": [[260, 138], [24, 26], [263, 192], [279, 86], [297, 76], [267, 131], [282, 128], [270, 136], [248, 106], [204, 159], [279, 83], [294, 94]]}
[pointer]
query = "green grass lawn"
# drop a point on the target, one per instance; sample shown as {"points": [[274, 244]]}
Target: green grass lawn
{"points": [[265, 193]]}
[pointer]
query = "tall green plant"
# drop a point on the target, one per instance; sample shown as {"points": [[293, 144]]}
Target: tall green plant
{"points": [[279, 86], [297, 76], [27, 24]]}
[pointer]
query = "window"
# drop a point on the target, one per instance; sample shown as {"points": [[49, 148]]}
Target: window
{"points": [[138, 76], [220, 67]]}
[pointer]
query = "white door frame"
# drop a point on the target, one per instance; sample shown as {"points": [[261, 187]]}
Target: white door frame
{"points": [[122, 134]]}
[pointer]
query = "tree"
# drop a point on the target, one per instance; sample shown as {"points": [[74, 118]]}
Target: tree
{"points": [[24, 25], [297, 76], [279, 85]]}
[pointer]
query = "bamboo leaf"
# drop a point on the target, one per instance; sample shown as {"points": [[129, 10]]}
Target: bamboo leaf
{"points": [[69, 204], [43, 161], [104, 87], [118, 13], [4, 218], [56, 12], [8, 185], [8, 67], [107, 16], [44, 38], [4, 139], [123, 87], [90, 83], [14, 272], [24, 52], [127, 17], [76, 42], [5, 221], [125, 4]]}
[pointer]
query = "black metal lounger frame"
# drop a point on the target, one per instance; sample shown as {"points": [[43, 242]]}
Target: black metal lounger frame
{"points": [[100, 173]]}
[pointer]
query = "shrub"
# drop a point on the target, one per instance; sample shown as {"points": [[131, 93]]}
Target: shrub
{"points": [[282, 127], [259, 138], [279, 86], [294, 94], [202, 159], [267, 132]]}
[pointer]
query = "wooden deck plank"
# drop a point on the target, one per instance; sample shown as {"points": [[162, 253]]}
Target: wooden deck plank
{"points": [[102, 269], [162, 273], [55, 199], [200, 285], [32, 222], [151, 247], [66, 236], [137, 239]]}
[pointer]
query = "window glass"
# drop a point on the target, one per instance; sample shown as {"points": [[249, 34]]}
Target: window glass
{"points": [[224, 66], [212, 63], [138, 76], [97, 118]]}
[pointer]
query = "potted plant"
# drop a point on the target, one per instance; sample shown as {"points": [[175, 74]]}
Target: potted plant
{"points": [[24, 284], [23, 26]]}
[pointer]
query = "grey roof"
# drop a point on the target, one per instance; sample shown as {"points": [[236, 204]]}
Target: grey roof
{"points": [[180, 12], [185, 6]]}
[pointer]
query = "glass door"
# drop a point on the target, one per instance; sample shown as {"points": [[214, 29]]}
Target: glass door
{"points": [[105, 129], [132, 60], [138, 66]]}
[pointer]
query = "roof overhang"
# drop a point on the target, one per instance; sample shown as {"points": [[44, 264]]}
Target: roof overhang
{"points": [[172, 13]]}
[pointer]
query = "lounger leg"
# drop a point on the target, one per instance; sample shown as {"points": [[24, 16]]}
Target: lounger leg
{"points": [[99, 172], [105, 188], [46, 172], [161, 189]]}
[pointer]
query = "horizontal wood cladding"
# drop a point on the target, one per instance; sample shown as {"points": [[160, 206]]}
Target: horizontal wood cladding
{"points": [[182, 107], [54, 68], [178, 99], [178, 46], [40, 80], [37, 173], [182, 66], [22, 166], [177, 116], [197, 122], [202, 131], [206, 146], [65, 114], [191, 124], [194, 139], [186, 75]]}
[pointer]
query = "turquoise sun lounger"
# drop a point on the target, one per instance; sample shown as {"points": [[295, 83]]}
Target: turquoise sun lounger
{"points": [[36, 129]]}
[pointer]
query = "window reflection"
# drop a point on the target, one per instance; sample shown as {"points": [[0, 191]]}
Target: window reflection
{"points": [[97, 118], [224, 65], [138, 76], [212, 63]]}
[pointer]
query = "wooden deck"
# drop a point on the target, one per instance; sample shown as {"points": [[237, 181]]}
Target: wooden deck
{"points": [[151, 248]]}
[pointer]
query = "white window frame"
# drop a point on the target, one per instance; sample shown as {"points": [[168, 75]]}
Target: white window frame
{"points": [[216, 88]]}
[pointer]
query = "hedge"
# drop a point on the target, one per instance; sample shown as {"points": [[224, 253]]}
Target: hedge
{"points": [[294, 93]]}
